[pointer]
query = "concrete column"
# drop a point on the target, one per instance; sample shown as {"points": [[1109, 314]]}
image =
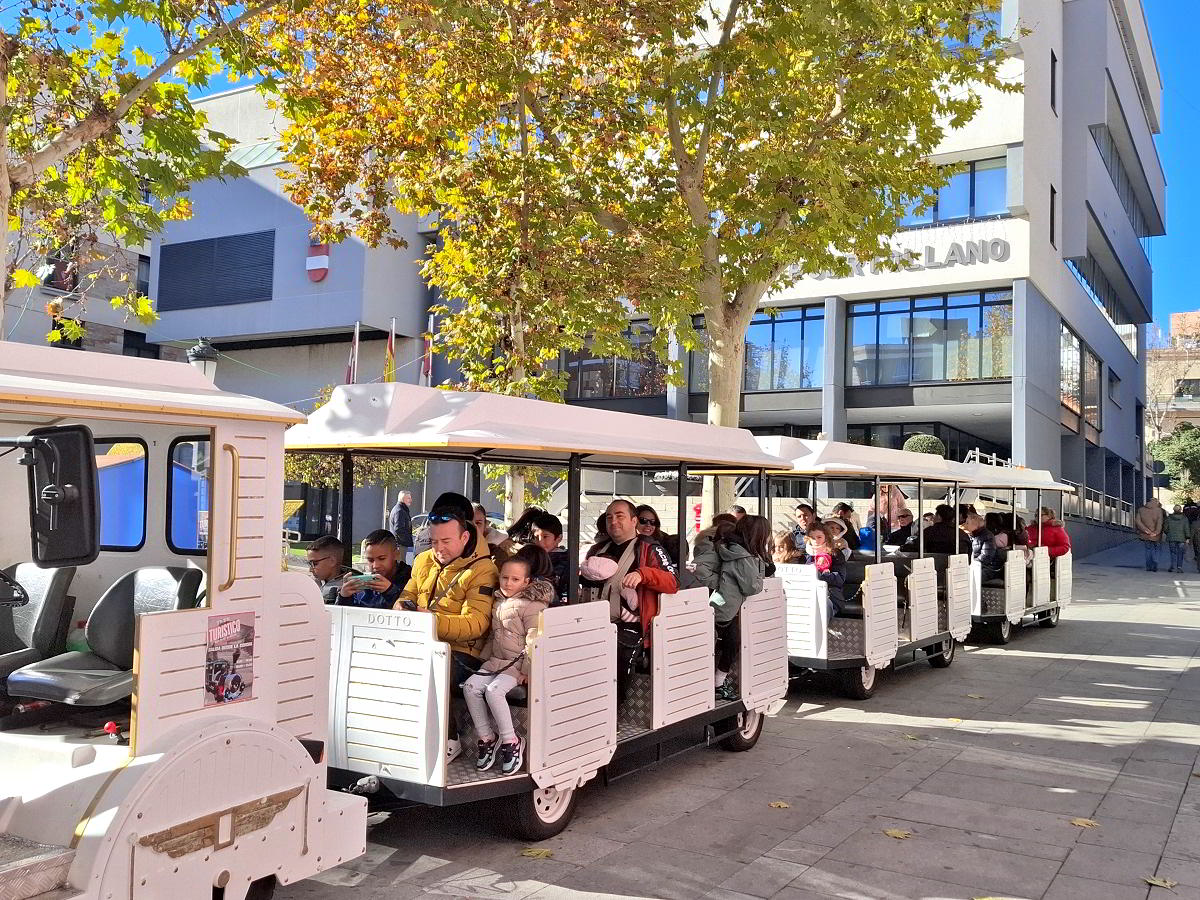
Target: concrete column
{"points": [[833, 393]]}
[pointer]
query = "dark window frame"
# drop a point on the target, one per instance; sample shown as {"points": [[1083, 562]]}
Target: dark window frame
{"points": [[1053, 81], [799, 315], [215, 274], [114, 548], [972, 215], [874, 308], [168, 517], [1053, 216]]}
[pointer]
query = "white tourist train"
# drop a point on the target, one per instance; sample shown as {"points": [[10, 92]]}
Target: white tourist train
{"points": [[390, 704]]}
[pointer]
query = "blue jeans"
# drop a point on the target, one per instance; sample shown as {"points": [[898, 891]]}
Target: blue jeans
{"points": [[1177, 548], [1151, 548]]}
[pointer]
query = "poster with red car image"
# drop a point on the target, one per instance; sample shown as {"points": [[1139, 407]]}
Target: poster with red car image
{"points": [[229, 658]]}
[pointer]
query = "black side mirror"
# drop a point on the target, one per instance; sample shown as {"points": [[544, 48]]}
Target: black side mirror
{"points": [[64, 511]]}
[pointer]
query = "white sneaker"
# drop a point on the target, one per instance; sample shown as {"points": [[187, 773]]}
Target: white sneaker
{"points": [[453, 749]]}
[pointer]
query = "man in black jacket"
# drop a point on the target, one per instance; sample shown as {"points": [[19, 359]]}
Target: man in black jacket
{"points": [[983, 547], [400, 522]]}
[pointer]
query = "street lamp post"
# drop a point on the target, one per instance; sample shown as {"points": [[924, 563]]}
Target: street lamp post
{"points": [[204, 357]]}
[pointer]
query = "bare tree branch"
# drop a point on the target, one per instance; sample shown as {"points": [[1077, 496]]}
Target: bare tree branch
{"points": [[714, 82]]}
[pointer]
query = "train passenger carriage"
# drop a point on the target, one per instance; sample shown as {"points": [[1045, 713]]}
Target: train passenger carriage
{"points": [[391, 701]]}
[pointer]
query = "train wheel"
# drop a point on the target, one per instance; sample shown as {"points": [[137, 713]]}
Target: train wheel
{"points": [[543, 812], [941, 655], [859, 684], [1049, 619], [262, 889], [999, 632], [750, 726]]}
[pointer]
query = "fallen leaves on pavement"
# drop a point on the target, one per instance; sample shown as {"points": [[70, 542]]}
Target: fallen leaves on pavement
{"points": [[1160, 882], [537, 853], [1085, 823], [898, 833], [779, 804]]}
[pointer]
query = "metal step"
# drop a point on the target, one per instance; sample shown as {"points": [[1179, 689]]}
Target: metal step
{"points": [[28, 869]]}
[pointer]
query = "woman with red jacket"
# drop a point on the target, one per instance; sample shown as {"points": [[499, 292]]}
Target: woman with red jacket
{"points": [[1049, 533]]}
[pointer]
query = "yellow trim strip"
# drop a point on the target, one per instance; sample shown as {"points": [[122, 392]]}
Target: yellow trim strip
{"points": [[81, 828]]}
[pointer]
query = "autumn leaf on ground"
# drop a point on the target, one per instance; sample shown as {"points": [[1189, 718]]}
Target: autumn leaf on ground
{"points": [[898, 833], [976, 697], [1085, 823], [537, 853], [1160, 882], [779, 804], [954, 721], [1196, 774], [912, 737]]}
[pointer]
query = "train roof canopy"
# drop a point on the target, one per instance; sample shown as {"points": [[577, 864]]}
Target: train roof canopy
{"points": [[412, 420], [985, 475], [835, 459], [32, 377]]}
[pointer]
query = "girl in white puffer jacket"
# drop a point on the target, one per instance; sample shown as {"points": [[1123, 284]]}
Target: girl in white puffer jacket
{"points": [[523, 593]]}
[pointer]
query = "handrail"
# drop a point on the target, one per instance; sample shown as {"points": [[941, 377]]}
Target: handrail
{"points": [[234, 511]]}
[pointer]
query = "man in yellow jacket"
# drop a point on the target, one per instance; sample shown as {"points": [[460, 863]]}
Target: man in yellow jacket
{"points": [[455, 580]]}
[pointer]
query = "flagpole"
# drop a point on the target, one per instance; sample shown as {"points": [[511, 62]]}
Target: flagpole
{"points": [[354, 355]]}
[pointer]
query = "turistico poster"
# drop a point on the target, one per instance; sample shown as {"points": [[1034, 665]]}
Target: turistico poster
{"points": [[229, 661]]}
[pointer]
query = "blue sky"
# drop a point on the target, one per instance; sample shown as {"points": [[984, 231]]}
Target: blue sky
{"points": [[1174, 31]]}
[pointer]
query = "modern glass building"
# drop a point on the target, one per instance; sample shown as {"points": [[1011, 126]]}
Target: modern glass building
{"points": [[1017, 326]]}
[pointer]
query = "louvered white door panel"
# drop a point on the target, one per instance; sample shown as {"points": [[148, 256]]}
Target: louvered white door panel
{"points": [[879, 614], [1064, 584], [683, 643], [763, 660], [572, 695], [1040, 574], [1014, 587], [958, 595], [922, 600], [246, 513], [807, 611]]}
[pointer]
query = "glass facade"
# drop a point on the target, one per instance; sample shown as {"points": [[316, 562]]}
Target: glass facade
{"points": [[979, 191], [963, 336], [1095, 283], [1080, 384], [784, 352], [958, 443], [599, 377], [1123, 183]]}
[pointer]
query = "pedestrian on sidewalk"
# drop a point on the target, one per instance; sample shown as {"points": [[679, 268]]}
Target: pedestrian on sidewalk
{"points": [[1149, 523], [1195, 538], [1178, 534]]}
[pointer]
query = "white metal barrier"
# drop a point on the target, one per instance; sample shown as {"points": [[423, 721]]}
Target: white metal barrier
{"points": [[1063, 584], [922, 600], [958, 595], [763, 660], [879, 594], [682, 637]]}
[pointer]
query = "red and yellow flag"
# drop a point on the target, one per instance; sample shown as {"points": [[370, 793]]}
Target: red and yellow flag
{"points": [[389, 359]]}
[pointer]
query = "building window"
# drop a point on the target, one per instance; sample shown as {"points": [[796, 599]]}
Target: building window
{"points": [[785, 351], [591, 377], [1092, 407], [1070, 390], [1095, 283], [220, 271], [189, 491], [1053, 82], [1187, 388], [1114, 386], [64, 269], [958, 443], [121, 478], [977, 192], [136, 345], [1123, 183], [1053, 216], [143, 276], [941, 337]]}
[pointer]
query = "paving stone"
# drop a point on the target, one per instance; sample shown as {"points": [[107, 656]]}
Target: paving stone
{"points": [[855, 882], [1184, 840], [728, 838], [1072, 887], [1125, 835], [1156, 812], [1010, 793], [637, 869], [925, 855], [764, 877], [1110, 864]]}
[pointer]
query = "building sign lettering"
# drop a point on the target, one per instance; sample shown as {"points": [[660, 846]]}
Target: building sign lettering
{"points": [[964, 253]]}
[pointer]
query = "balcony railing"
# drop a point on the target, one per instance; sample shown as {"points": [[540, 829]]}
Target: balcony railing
{"points": [[1092, 505]]}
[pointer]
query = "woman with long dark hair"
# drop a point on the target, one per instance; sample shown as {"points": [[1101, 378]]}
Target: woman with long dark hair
{"points": [[732, 567]]}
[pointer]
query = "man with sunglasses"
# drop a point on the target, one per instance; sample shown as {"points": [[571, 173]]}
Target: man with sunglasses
{"points": [[325, 565], [455, 579]]}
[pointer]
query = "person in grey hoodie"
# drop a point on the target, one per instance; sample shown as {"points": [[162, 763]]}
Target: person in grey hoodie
{"points": [[1149, 524], [732, 566]]}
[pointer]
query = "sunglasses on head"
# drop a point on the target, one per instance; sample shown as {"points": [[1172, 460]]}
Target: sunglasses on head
{"points": [[441, 518], [646, 520]]}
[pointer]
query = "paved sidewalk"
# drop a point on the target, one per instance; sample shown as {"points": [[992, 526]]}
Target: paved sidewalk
{"points": [[983, 765]]}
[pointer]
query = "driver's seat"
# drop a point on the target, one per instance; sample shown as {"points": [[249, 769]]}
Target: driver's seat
{"points": [[38, 629], [104, 674]]}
